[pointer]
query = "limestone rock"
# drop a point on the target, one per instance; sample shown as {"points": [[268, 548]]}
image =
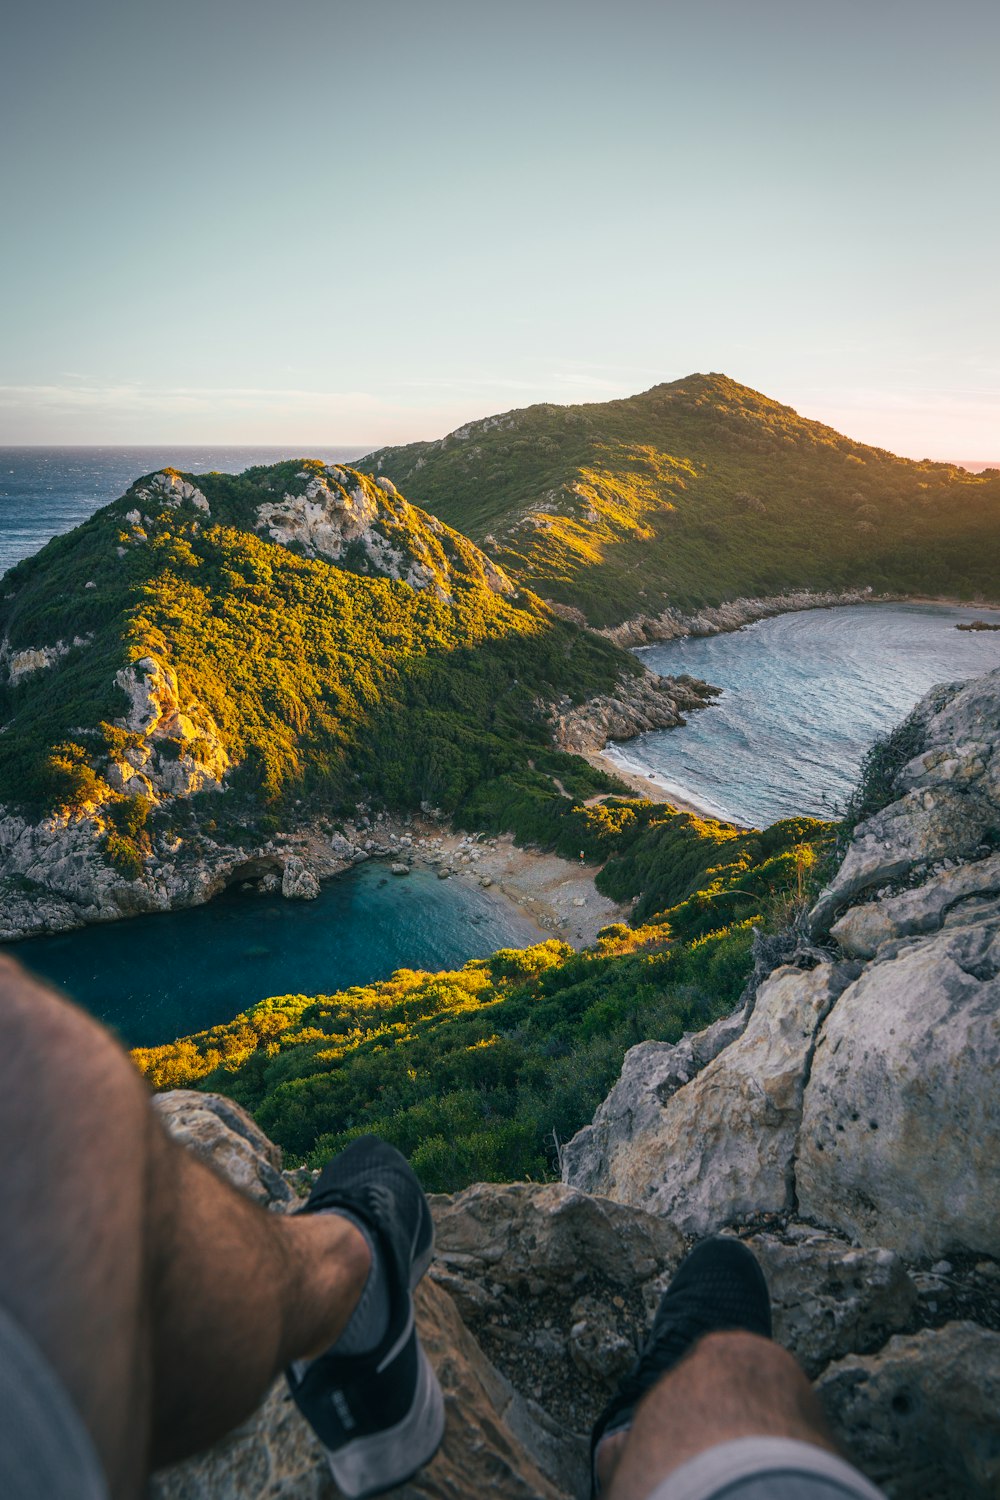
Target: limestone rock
{"points": [[558, 1288], [948, 803], [298, 883], [222, 1134], [672, 623], [191, 756], [651, 1073], [722, 1148], [829, 1298], [545, 1234], [637, 704], [170, 489], [953, 898], [900, 1132], [920, 1416], [334, 518]]}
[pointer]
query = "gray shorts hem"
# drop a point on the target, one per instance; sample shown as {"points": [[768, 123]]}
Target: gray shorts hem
{"points": [[45, 1450], [765, 1468]]}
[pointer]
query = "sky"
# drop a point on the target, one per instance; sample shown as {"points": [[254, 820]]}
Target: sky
{"points": [[322, 222]]}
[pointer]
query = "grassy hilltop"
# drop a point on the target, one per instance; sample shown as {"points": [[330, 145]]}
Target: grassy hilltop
{"points": [[695, 492]]}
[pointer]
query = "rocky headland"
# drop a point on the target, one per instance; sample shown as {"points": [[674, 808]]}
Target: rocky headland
{"points": [[844, 1121], [637, 705]]}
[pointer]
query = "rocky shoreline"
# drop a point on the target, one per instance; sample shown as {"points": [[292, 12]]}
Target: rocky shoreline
{"points": [[637, 705], [719, 619], [80, 890]]}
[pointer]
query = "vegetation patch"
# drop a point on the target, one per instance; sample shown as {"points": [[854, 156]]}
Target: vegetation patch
{"points": [[480, 1073]]}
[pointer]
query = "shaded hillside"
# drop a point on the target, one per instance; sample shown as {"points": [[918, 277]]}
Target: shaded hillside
{"points": [[697, 492], [296, 637]]}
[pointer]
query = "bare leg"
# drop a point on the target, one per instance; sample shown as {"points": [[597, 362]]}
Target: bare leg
{"points": [[165, 1301], [731, 1385]]}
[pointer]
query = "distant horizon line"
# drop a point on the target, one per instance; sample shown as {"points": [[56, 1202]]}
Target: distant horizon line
{"points": [[972, 465]]}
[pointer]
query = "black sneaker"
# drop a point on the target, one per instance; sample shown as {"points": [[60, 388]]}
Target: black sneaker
{"points": [[718, 1287], [380, 1416]]}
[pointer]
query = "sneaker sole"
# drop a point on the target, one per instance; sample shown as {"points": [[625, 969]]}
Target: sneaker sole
{"points": [[371, 1465]]}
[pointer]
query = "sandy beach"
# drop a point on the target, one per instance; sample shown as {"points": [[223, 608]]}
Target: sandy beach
{"points": [[557, 895]]}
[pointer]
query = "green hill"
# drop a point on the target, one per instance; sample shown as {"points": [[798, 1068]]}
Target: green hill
{"points": [[696, 492], [297, 636]]}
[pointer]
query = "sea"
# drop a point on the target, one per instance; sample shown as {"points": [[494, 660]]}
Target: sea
{"points": [[46, 491], [155, 978], [804, 696]]}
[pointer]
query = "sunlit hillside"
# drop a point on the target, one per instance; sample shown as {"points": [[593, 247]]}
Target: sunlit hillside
{"points": [[695, 492], [298, 636]]}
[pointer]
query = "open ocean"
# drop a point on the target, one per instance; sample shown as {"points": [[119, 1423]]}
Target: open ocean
{"points": [[46, 491]]}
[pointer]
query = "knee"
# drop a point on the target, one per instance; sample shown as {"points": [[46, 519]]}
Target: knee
{"points": [[746, 1357]]}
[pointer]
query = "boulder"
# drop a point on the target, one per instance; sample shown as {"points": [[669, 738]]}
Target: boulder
{"points": [[545, 1236], [651, 1073], [947, 805], [957, 897], [920, 1416], [829, 1298], [222, 1134], [900, 1130], [721, 1149], [298, 883]]}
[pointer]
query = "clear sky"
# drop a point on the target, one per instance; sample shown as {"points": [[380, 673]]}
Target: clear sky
{"points": [[364, 221]]}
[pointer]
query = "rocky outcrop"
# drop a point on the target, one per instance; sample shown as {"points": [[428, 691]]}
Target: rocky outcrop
{"points": [[721, 1149], [853, 1108], [717, 619], [298, 883], [920, 1416], [16, 665], [856, 1092], [638, 703], [537, 1299], [365, 524], [180, 749], [900, 1130], [167, 488]]}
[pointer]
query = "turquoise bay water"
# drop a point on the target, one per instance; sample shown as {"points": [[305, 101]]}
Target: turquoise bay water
{"points": [[158, 977], [804, 696]]}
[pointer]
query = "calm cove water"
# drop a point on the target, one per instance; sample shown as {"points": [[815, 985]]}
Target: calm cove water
{"points": [[804, 696], [156, 978], [46, 491]]}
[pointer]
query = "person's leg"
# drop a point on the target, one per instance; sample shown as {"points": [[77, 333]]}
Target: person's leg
{"points": [[164, 1300], [732, 1385]]}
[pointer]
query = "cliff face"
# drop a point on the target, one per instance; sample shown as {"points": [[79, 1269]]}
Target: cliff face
{"points": [[853, 1105]]}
